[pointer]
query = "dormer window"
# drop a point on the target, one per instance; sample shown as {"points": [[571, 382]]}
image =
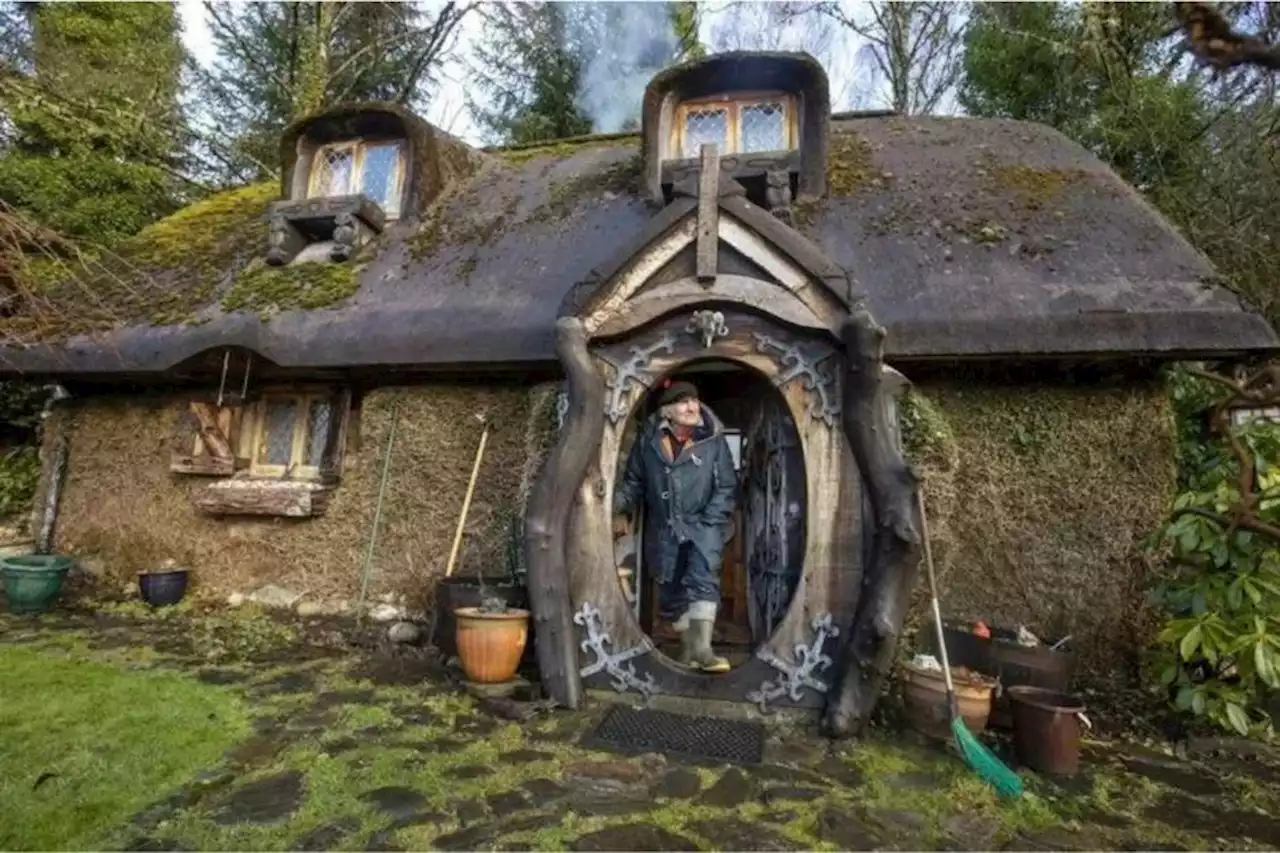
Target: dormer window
{"points": [[373, 168], [737, 124]]}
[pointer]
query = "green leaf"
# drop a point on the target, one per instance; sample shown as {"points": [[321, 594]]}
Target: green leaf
{"points": [[1183, 699], [1263, 664], [1198, 703], [1169, 675], [1190, 642], [1239, 719]]}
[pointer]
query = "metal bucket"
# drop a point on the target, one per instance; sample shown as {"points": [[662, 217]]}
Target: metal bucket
{"points": [[1046, 729]]}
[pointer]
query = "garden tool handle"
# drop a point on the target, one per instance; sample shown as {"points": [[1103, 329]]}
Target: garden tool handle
{"points": [[466, 502], [933, 592]]}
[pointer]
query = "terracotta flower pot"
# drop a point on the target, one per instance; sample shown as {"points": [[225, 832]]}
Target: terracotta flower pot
{"points": [[925, 699], [490, 644]]}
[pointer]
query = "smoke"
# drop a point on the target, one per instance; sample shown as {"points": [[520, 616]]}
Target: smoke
{"points": [[620, 47]]}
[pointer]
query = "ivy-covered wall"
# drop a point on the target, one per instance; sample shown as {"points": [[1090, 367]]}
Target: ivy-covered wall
{"points": [[1039, 497], [123, 510]]}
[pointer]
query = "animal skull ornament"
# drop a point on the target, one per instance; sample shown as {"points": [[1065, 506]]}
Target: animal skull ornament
{"points": [[707, 326]]}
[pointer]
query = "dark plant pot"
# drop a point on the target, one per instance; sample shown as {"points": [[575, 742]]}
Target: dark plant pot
{"points": [[458, 592], [32, 582], [162, 589]]}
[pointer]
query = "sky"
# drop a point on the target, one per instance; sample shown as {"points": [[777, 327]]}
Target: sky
{"points": [[849, 83]]}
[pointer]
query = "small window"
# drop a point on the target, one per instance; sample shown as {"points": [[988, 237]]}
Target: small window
{"points": [[373, 168], [738, 125], [287, 434]]}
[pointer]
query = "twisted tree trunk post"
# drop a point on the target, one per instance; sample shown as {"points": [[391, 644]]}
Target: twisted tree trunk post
{"points": [[895, 562], [547, 517]]}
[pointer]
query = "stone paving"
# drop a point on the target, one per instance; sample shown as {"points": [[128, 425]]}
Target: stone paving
{"points": [[360, 747]]}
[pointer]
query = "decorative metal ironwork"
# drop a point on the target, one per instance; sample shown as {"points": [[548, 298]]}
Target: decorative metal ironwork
{"points": [[598, 641], [796, 364], [706, 326], [633, 371], [796, 676]]}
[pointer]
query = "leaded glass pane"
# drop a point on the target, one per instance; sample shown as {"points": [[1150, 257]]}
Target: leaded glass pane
{"points": [[705, 125], [317, 430], [278, 447], [764, 127], [333, 171], [378, 178]]}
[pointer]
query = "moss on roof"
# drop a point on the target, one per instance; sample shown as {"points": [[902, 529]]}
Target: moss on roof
{"points": [[162, 275]]}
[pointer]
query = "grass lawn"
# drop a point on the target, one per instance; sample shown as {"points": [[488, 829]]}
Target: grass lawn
{"points": [[114, 739]]}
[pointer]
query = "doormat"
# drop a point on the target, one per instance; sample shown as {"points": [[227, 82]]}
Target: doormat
{"points": [[632, 731]]}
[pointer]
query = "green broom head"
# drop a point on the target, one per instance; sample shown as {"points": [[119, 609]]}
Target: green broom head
{"points": [[984, 762]]}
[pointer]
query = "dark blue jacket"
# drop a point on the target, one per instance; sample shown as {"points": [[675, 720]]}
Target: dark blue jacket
{"points": [[687, 500]]}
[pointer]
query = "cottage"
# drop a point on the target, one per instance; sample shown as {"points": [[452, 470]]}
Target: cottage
{"points": [[257, 379]]}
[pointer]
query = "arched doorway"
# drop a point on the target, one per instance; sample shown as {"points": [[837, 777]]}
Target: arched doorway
{"points": [[764, 551]]}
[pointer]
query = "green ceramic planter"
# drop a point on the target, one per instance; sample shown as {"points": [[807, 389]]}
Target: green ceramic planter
{"points": [[32, 582]]}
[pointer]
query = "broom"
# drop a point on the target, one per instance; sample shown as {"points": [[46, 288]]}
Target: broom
{"points": [[978, 757]]}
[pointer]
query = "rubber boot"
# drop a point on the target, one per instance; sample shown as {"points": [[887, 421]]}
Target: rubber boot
{"points": [[703, 657], [681, 627]]}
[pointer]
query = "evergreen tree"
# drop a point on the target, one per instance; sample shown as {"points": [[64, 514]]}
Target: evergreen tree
{"points": [[279, 61], [553, 70], [527, 75], [94, 130]]}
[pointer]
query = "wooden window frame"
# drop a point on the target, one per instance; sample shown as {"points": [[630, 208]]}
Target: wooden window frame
{"points": [[253, 432], [733, 104], [360, 148]]}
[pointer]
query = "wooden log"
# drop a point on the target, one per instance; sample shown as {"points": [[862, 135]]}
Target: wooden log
{"points": [[895, 562], [212, 421], [547, 517], [281, 499]]}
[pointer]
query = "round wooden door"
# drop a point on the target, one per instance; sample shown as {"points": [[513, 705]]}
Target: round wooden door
{"points": [[773, 515]]}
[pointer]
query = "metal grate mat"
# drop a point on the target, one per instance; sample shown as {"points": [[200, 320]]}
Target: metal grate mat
{"points": [[630, 730]]}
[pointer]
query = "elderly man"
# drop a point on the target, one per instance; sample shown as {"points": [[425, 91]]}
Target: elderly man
{"points": [[681, 466]]}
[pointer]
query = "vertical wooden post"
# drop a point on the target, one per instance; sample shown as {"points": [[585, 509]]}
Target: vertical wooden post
{"points": [[547, 517], [708, 214]]}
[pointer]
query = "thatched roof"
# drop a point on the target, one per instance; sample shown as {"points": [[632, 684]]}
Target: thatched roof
{"points": [[968, 237]]}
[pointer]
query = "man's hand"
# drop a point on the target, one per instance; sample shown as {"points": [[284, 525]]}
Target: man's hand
{"points": [[621, 526]]}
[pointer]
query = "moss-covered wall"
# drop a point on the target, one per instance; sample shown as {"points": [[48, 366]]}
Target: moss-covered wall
{"points": [[123, 510], [1038, 499]]}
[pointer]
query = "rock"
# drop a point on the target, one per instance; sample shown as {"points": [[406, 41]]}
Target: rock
{"points": [[404, 632], [385, 613], [470, 811], [632, 836], [394, 800], [733, 789], [733, 833], [268, 800], [802, 793], [843, 829], [308, 609], [326, 836], [235, 599], [544, 791], [275, 596], [469, 771], [678, 784]]}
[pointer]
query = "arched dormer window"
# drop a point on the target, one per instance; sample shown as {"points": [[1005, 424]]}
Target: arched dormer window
{"points": [[741, 123], [372, 167]]}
